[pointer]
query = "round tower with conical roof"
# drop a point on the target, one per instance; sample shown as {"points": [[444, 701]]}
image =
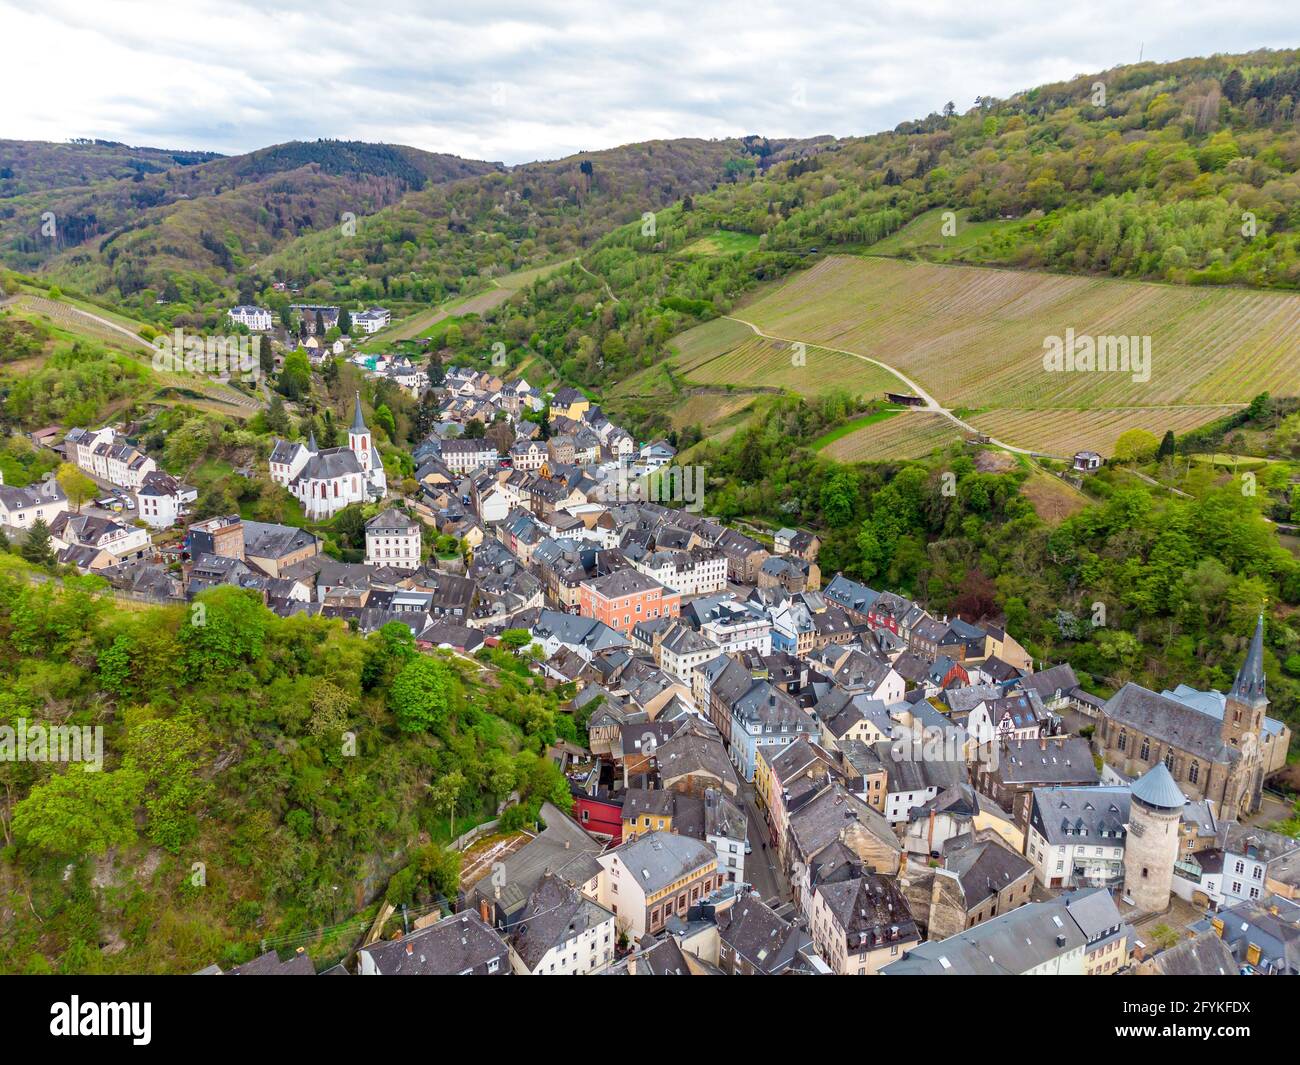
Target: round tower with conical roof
{"points": [[1151, 847]]}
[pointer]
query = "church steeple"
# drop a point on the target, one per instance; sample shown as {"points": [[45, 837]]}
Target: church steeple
{"points": [[359, 438], [311, 441], [1243, 709], [1248, 688]]}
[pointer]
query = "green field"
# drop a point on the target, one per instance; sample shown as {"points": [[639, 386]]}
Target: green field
{"points": [[927, 237], [721, 242]]}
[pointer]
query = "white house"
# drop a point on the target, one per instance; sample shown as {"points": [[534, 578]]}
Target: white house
{"points": [[393, 540], [701, 571], [562, 933], [90, 530], [1076, 836], [255, 318], [161, 500], [736, 627], [21, 508]]}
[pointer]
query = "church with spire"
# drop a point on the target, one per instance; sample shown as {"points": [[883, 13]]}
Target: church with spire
{"points": [[325, 480], [1218, 747]]}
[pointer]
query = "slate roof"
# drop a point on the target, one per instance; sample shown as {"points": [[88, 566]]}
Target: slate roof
{"points": [[1009, 944], [555, 914], [1081, 816], [870, 910], [657, 859], [1065, 760], [1205, 954], [455, 944], [1170, 721], [755, 933], [1156, 787], [265, 540]]}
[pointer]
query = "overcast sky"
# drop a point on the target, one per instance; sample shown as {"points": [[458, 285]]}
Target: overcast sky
{"points": [[515, 81]]}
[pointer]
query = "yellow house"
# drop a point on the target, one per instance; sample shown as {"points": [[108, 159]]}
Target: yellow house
{"points": [[647, 811], [569, 403]]}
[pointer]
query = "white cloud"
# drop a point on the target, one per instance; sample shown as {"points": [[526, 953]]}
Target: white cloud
{"points": [[519, 81]]}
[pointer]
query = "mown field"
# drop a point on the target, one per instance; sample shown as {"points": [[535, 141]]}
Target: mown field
{"points": [[975, 337], [502, 289], [724, 352], [1064, 431], [924, 237], [907, 435]]}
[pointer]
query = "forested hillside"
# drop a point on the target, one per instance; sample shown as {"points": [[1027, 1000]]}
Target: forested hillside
{"points": [[186, 233], [31, 166], [262, 777]]}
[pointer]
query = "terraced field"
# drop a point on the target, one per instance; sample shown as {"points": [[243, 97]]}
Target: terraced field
{"points": [[975, 337], [908, 435], [725, 352], [1062, 432]]}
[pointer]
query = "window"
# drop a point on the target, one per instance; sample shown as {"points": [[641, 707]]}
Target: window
{"points": [[1169, 760], [1146, 749], [1194, 772]]}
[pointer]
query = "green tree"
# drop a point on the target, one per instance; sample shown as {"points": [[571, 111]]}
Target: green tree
{"points": [[78, 813], [36, 548], [421, 695], [76, 485], [1135, 444]]}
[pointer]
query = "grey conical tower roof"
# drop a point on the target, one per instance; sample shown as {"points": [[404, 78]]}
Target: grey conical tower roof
{"points": [[1157, 788], [1249, 685], [358, 423], [311, 441]]}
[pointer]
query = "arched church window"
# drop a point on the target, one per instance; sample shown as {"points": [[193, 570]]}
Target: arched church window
{"points": [[1146, 749]]}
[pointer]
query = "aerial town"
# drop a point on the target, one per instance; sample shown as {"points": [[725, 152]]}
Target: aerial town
{"points": [[780, 773], [707, 490]]}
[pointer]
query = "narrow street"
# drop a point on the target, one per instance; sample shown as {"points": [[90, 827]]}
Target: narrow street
{"points": [[761, 866]]}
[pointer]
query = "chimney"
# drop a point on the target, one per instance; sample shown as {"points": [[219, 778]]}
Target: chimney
{"points": [[1042, 743]]}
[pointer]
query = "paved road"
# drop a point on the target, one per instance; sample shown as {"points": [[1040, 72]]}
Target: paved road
{"points": [[760, 867]]}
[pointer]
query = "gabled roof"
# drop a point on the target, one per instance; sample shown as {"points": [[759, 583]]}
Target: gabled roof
{"points": [[458, 944]]}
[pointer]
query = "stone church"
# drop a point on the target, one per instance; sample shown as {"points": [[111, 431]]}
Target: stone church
{"points": [[1220, 759]]}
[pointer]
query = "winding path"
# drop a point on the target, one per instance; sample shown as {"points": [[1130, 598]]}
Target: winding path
{"points": [[932, 405]]}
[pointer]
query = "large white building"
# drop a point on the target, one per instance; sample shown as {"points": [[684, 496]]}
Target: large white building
{"points": [[702, 571], [1076, 836], [255, 318], [325, 480], [108, 456], [371, 321], [393, 540]]}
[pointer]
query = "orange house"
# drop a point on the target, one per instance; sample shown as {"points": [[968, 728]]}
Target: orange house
{"points": [[624, 597]]}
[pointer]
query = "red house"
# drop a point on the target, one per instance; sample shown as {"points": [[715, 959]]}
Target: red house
{"points": [[599, 814]]}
